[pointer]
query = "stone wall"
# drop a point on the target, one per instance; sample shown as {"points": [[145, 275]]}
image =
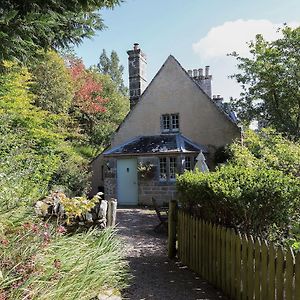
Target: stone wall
{"points": [[163, 192], [110, 178]]}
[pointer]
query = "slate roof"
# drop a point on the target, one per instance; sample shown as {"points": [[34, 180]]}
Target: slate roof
{"points": [[155, 144]]}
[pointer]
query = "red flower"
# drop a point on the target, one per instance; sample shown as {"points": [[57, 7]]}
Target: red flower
{"points": [[4, 242], [46, 236], [61, 229], [34, 228]]}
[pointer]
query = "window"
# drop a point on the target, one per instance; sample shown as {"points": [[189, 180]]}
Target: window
{"points": [[175, 122], [170, 123], [163, 169], [168, 168], [187, 163], [173, 168], [166, 122]]}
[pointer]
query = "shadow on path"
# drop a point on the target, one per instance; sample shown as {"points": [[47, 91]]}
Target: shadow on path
{"points": [[155, 276]]}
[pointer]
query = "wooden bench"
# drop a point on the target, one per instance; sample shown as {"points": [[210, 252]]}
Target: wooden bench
{"points": [[162, 214]]}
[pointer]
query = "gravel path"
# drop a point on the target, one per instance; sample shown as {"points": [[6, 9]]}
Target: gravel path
{"points": [[155, 276]]}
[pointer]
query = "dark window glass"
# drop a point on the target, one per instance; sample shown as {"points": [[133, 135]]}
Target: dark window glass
{"points": [[173, 168], [187, 163]]}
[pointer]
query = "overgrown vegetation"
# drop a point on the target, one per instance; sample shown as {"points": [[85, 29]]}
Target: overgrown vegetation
{"points": [[256, 191], [47, 264], [39, 151], [55, 114]]}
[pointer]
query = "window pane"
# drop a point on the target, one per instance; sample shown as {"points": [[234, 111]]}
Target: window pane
{"points": [[166, 122], [187, 163], [163, 169], [175, 121], [173, 167]]}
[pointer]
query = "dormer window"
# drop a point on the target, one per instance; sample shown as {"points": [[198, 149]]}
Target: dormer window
{"points": [[170, 123]]}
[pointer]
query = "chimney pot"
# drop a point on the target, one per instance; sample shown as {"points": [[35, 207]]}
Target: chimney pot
{"points": [[190, 72], [136, 46], [195, 73], [200, 72], [206, 71]]}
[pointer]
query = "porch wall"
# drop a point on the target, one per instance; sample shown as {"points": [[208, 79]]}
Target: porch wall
{"points": [[147, 188], [162, 192]]}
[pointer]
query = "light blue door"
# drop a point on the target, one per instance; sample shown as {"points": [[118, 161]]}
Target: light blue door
{"points": [[127, 181]]}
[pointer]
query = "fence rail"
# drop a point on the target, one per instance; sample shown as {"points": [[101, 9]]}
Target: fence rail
{"points": [[244, 267]]}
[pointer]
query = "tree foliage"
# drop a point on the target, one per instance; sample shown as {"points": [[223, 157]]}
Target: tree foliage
{"points": [[52, 83], [98, 105], [87, 90], [270, 79], [111, 66], [266, 149], [33, 141], [28, 26]]}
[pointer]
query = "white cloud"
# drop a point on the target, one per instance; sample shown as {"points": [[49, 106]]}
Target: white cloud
{"points": [[231, 36], [234, 35]]}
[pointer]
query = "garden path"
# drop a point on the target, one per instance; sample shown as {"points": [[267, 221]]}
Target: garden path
{"points": [[155, 277]]}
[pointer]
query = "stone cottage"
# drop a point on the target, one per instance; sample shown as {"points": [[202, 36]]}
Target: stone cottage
{"points": [[170, 122]]}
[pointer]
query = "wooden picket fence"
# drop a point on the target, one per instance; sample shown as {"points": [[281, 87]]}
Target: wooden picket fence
{"points": [[243, 267]]}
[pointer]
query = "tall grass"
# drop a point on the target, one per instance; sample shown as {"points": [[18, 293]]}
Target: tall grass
{"points": [[76, 267]]}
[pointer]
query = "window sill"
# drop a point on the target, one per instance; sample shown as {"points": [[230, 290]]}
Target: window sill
{"points": [[166, 182]]}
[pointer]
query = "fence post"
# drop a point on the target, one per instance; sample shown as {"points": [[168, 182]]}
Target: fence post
{"points": [[172, 228], [111, 212]]}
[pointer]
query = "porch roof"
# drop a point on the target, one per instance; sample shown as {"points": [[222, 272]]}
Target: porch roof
{"points": [[157, 144]]}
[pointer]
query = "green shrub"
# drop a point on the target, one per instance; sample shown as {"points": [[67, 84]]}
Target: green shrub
{"points": [[253, 200]]}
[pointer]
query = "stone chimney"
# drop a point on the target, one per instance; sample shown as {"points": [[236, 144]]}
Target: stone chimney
{"points": [[137, 74], [204, 81]]}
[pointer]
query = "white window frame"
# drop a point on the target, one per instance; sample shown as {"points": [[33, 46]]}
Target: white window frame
{"points": [[163, 165], [170, 123], [174, 122], [189, 162], [171, 167], [166, 125]]}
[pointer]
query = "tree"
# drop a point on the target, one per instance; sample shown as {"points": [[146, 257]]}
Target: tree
{"points": [[111, 66], [117, 108], [28, 26], [52, 83], [87, 91], [98, 105], [270, 80]]}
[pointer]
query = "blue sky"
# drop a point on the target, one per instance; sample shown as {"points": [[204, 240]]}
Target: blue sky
{"points": [[196, 32]]}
